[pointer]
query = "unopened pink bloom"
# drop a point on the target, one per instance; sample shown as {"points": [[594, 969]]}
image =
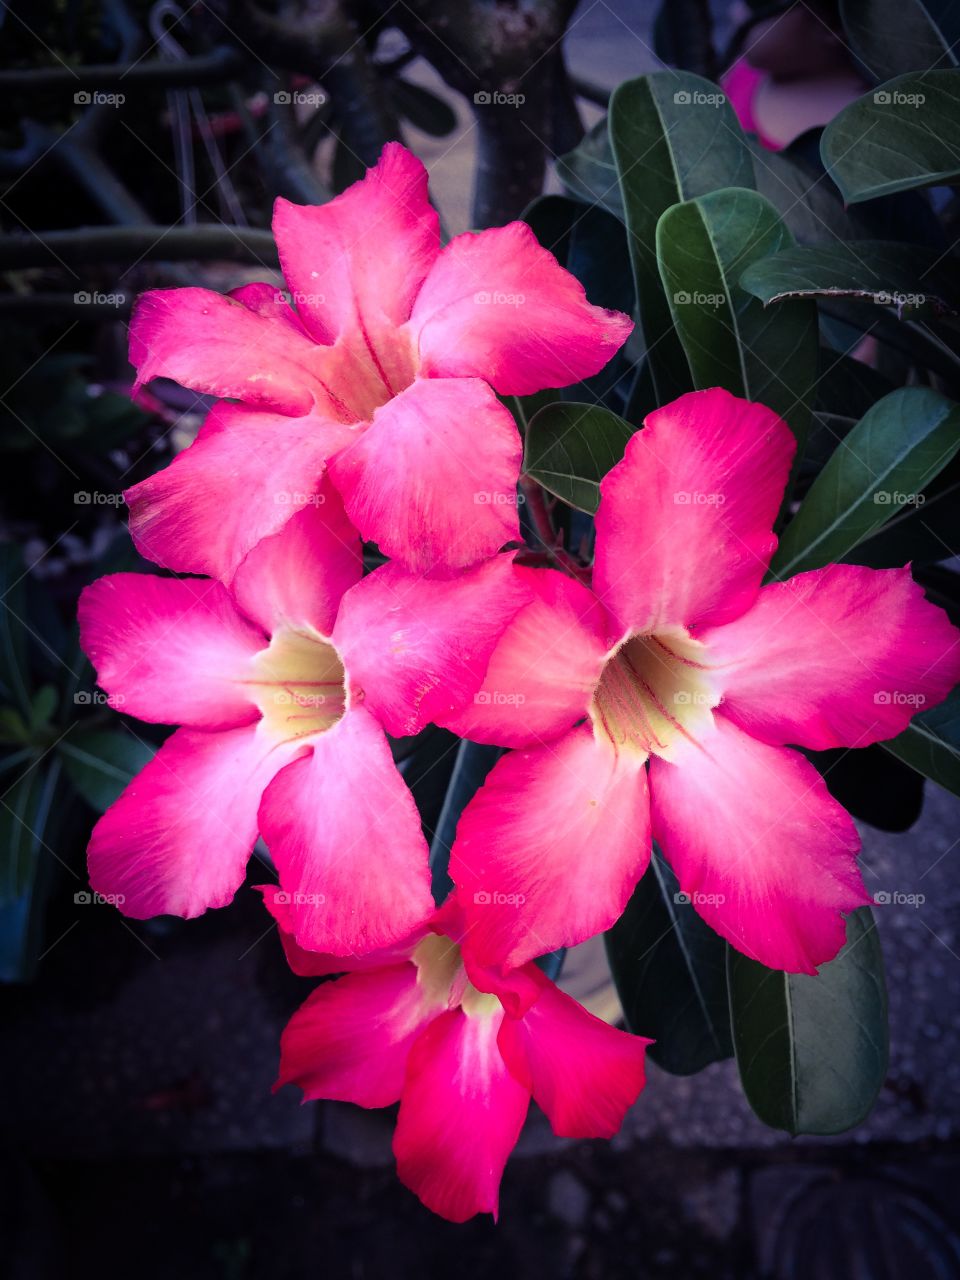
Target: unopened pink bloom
{"points": [[383, 372], [277, 697], [462, 1051], [665, 698]]}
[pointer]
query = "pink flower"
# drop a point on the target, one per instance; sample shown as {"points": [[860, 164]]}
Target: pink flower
{"points": [[665, 699], [276, 685], [384, 374], [462, 1051]]}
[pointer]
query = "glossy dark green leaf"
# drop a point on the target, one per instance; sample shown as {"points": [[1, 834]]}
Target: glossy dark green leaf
{"points": [[872, 786], [34, 816], [571, 447], [811, 208], [941, 585], [100, 762], [893, 36], [931, 743], [26, 810], [592, 244], [551, 218], [674, 137], [731, 340], [669, 968], [849, 387], [14, 671], [589, 172], [924, 533], [904, 342], [474, 760], [903, 135], [895, 449], [884, 272], [812, 1051], [42, 707]]}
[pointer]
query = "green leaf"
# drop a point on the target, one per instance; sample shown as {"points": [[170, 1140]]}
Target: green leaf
{"points": [[730, 339], [571, 447], [669, 968], [812, 1051], [880, 271], [14, 669], [474, 761], [33, 816], [42, 707], [589, 172], [674, 137], [903, 135], [13, 727], [100, 763], [26, 809], [592, 244], [923, 533], [931, 743], [811, 208], [895, 449], [892, 36]]}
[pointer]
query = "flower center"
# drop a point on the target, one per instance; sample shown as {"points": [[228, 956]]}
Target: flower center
{"points": [[653, 692], [299, 684], [444, 981], [369, 370]]}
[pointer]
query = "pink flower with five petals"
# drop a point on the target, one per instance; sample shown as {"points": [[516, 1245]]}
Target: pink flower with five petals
{"points": [[667, 701], [383, 373], [276, 690], [462, 1050]]}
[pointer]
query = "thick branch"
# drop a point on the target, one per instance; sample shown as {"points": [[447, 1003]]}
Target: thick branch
{"points": [[137, 243], [505, 60], [209, 68]]}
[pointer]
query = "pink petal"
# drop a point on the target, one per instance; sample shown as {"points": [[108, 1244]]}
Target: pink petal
{"points": [[498, 306], [838, 657], [358, 261], [549, 849], [316, 964], [350, 1040], [168, 650], [297, 576], [516, 989], [241, 480], [345, 836], [434, 480], [216, 345], [542, 674], [460, 1116], [415, 649], [582, 1073], [767, 856], [267, 300], [178, 839], [684, 527]]}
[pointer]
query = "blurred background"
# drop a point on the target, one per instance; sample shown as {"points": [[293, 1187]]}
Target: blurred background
{"points": [[142, 146]]}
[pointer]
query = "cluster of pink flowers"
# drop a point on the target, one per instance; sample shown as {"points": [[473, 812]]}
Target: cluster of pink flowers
{"points": [[663, 702]]}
